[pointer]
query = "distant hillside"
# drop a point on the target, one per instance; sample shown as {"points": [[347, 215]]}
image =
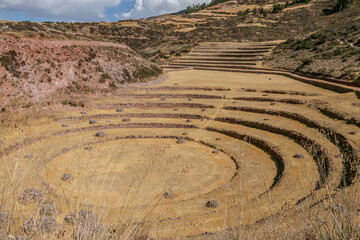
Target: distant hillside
{"points": [[34, 68], [333, 51]]}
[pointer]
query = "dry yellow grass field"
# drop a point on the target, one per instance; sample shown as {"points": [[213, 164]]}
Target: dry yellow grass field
{"points": [[242, 139]]}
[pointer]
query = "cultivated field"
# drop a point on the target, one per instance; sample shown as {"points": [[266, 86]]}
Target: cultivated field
{"points": [[204, 154]]}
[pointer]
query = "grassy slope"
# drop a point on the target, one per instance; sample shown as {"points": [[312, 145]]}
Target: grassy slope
{"points": [[333, 51]]}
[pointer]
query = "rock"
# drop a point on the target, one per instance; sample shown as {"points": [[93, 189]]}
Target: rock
{"points": [[92, 122], [88, 148], [67, 177], [83, 113], [108, 121], [126, 120], [212, 203], [188, 120], [176, 110], [30, 196], [162, 99], [298, 156], [352, 133], [176, 84], [218, 139], [185, 133], [266, 119], [119, 110], [169, 195], [270, 78], [234, 102], [100, 134], [215, 152], [203, 110], [340, 155], [180, 141], [272, 104], [224, 97], [64, 125], [265, 95], [189, 99], [29, 156]]}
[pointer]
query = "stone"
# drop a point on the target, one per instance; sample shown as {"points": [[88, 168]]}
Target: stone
{"points": [[272, 104], [218, 139], [203, 110], [169, 195], [212, 203], [67, 177], [64, 125], [189, 99], [100, 134], [185, 133], [88, 148], [215, 152], [188, 120], [29, 156], [180, 141], [83, 113], [126, 120], [119, 110], [92, 122], [298, 156], [162, 99], [352, 133], [266, 119]]}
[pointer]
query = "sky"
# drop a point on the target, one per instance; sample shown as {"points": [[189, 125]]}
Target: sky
{"points": [[88, 10]]}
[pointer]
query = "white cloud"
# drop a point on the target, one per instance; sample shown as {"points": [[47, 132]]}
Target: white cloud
{"points": [[79, 10], [148, 8]]}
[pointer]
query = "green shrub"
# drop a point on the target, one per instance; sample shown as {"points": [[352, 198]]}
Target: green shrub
{"points": [[147, 72]]}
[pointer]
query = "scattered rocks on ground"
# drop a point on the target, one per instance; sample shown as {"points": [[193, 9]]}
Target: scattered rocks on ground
{"points": [[215, 152], [119, 110], [92, 121], [126, 120], [30, 196], [88, 148], [67, 177], [180, 141], [100, 134], [298, 156], [28, 156], [65, 125], [212, 203], [83, 113]]}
